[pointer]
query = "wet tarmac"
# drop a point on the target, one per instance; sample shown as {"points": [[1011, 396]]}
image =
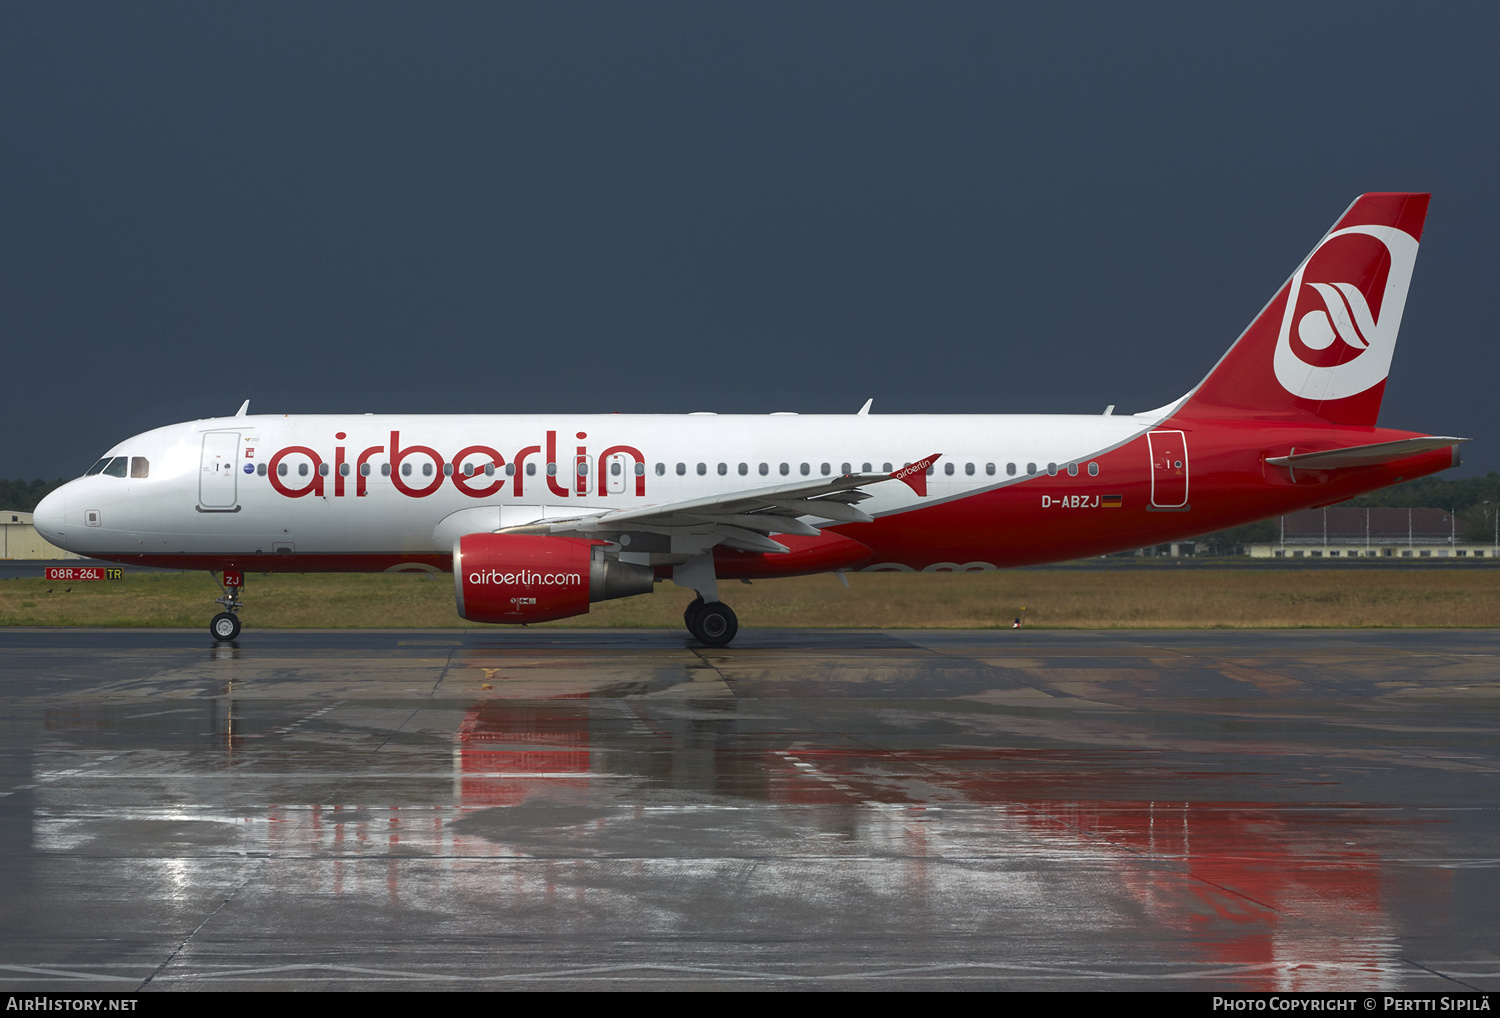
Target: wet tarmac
{"points": [[1235, 810]]}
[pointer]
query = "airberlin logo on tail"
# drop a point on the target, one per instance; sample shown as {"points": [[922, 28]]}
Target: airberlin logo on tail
{"points": [[1343, 312]]}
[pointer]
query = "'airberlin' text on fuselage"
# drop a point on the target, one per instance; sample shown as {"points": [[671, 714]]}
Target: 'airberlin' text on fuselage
{"points": [[478, 471]]}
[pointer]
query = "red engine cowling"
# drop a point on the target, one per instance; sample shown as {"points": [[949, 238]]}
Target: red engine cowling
{"points": [[528, 578]]}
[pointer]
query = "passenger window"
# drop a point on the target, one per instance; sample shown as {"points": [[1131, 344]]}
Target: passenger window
{"points": [[681, 469], [765, 468], [886, 467], [723, 469], [489, 470], [969, 469], [97, 467], [281, 469], [640, 469], [826, 469], [551, 469], [510, 470], [447, 469], [1030, 468], [1072, 469], [426, 469], [322, 469], [385, 470], [139, 467], [343, 470], [531, 470], [260, 469], [786, 468], [744, 469], [614, 469], [989, 468], [1010, 470], [364, 470], [948, 468], [583, 467], [301, 469], [116, 467], [406, 470], [1093, 470], [806, 470], [661, 470], [932, 469], [1051, 469]]}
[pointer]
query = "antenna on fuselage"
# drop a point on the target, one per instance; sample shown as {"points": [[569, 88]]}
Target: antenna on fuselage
{"points": [[244, 408]]}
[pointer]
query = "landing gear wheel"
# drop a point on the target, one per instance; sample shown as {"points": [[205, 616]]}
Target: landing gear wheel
{"points": [[224, 627], [715, 625], [690, 614]]}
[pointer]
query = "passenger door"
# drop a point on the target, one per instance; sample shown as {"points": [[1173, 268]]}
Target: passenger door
{"points": [[216, 477]]}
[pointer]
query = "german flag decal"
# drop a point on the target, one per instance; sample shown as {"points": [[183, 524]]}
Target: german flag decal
{"points": [[1110, 501]]}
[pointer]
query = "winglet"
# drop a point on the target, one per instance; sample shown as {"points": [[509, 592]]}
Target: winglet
{"points": [[915, 475], [244, 409], [864, 411]]}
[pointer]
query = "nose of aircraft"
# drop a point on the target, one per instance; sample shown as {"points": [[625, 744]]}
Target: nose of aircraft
{"points": [[49, 515]]}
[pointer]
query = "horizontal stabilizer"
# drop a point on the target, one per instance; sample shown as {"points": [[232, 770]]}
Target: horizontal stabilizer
{"points": [[1363, 455]]}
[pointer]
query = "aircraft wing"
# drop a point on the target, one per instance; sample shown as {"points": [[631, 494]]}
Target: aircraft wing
{"points": [[741, 519]]}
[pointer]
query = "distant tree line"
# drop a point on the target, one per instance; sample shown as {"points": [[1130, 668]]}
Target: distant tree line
{"points": [[1474, 501], [23, 496]]}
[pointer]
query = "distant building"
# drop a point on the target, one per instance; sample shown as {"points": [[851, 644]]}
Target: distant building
{"points": [[19, 539], [1341, 532]]}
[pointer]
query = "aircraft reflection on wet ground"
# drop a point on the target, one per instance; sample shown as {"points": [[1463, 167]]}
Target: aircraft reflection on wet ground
{"points": [[1239, 811]]}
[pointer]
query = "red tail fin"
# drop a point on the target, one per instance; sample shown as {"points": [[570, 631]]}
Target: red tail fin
{"points": [[1323, 345]]}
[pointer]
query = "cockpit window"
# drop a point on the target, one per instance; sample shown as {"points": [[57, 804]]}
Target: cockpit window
{"points": [[117, 467], [97, 467], [140, 466]]}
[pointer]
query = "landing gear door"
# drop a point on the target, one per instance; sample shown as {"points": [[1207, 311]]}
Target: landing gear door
{"points": [[217, 471], [1169, 469]]}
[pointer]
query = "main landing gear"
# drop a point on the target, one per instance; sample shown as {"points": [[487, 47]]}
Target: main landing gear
{"points": [[226, 625], [712, 624]]}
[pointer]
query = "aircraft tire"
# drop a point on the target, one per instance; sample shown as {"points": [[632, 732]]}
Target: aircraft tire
{"points": [[224, 627], [690, 614], [715, 625]]}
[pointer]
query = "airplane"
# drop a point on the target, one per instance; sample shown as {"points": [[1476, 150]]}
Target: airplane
{"points": [[539, 515]]}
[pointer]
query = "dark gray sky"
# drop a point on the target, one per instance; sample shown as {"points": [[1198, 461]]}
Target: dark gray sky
{"points": [[740, 207]]}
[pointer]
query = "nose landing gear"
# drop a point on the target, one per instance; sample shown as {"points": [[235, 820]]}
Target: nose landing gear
{"points": [[226, 625]]}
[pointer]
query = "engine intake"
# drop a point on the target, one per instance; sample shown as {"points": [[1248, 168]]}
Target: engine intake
{"points": [[526, 578]]}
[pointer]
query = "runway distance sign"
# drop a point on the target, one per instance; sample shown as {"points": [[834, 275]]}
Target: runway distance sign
{"points": [[75, 574]]}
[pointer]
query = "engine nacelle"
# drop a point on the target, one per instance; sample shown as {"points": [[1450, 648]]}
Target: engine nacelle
{"points": [[528, 578]]}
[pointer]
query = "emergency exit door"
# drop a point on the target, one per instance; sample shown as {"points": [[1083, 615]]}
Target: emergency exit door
{"points": [[1169, 469], [216, 476]]}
